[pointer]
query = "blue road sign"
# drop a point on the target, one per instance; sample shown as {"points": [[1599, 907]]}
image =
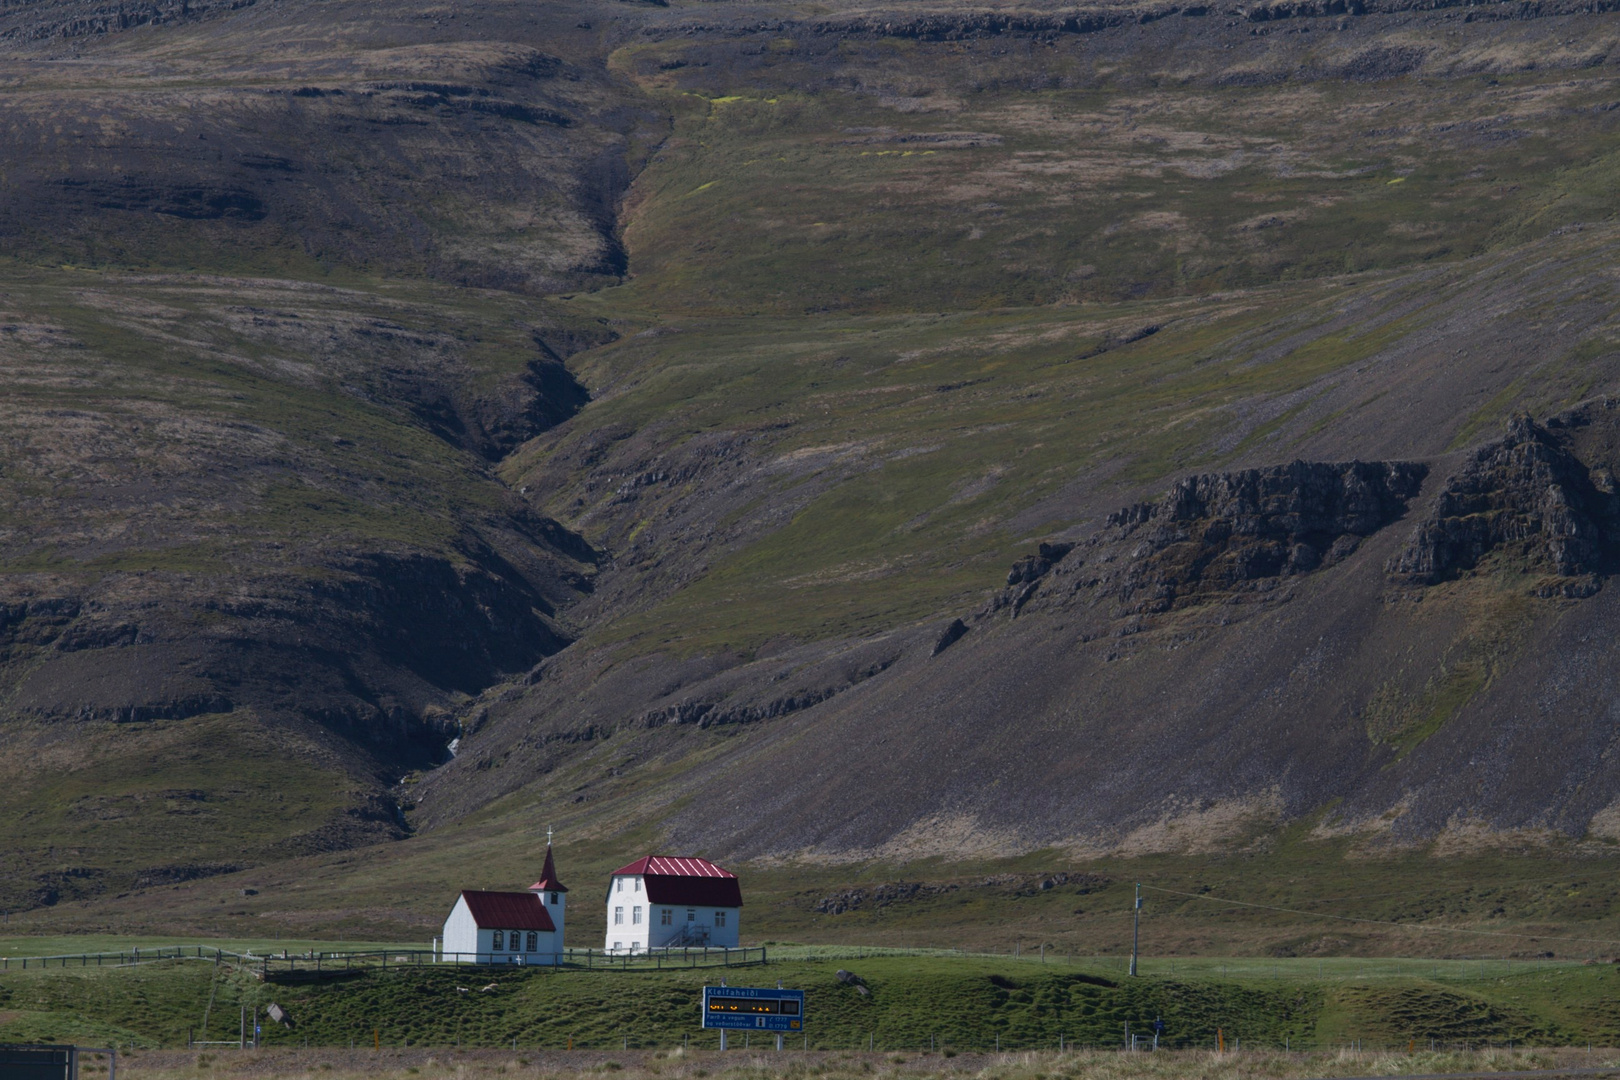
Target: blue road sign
{"points": [[751, 1008]]}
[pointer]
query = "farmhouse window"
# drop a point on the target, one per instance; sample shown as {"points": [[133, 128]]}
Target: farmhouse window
{"points": [[719, 918], [638, 884], [691, 915], [500, 941], [635, 915], [666, 917], [618, 916], [620, 882]]}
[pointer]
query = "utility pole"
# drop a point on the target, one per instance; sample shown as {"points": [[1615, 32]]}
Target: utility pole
{"points": [[1136, 927]]}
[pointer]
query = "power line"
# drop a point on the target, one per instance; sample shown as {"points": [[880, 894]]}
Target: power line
{"points": [[1426, 927]]}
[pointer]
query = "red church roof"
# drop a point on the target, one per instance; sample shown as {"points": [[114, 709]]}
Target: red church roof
{"points": [[688, 882], [507, 910], [548, 877]]}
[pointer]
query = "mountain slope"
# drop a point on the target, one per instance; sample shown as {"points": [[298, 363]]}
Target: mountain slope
{"points": [[713, 405]]}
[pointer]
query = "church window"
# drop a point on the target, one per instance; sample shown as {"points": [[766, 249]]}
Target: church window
{"points": [[500, 940], [534, 941], [554, 898]]}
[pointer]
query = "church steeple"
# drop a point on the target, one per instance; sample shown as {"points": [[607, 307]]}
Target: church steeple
{"points": [[552, 893], [548, 875]]}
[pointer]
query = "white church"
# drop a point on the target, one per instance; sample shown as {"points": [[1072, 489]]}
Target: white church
{"points": [[509, 927]]}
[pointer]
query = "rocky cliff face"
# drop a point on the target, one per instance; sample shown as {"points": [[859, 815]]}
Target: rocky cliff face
{"points": [[1217, 537], [1525, 498]]}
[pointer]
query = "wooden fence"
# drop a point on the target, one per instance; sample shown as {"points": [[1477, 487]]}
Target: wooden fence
{"points": [[288, 966], [293, 967]]}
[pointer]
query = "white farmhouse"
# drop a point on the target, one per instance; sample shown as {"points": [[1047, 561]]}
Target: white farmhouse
{"points": [[509, 927], [660, 902]]}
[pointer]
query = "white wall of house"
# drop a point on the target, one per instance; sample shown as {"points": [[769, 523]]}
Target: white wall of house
{"points": [[634, 924]]}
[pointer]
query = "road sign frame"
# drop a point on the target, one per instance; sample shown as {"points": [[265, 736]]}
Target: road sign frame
{"points": [[753, 1021]]}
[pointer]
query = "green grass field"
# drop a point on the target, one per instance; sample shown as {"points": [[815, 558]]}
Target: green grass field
{"points": [[970, 1003]]}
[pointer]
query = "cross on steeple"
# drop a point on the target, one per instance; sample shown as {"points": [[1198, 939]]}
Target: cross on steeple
{"points": [[548, 875]]}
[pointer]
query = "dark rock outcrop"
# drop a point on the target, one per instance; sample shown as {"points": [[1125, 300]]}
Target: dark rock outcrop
{"points": [[1223, 533], [708, 714], [950, 636], [1526, 497], [1034, 566], [183, 872], [900, 892]]}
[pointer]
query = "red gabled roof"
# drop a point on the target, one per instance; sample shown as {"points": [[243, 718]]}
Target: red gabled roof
{"points": [[690, 882], [507, 910], [664, 864], [548, 877]]}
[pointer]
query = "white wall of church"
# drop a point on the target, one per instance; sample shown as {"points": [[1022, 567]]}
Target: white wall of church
{"points": [[557, 907], [465, 941]]}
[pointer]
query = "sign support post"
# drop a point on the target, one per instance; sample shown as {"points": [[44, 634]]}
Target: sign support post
{"points": [[1136, 927]]}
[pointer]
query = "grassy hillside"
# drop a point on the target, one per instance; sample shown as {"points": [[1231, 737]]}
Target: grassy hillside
{"points": [[211, 486]]}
